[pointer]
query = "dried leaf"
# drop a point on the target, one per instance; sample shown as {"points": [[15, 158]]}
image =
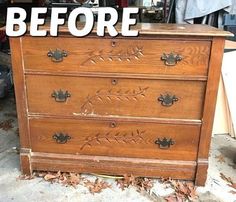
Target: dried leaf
{"points": [[66, 179], [6, 125], [72, 179], [142, 184], [183, 190], [192, 193], [232, 192], [220, 158], [171, 198], [227, 179], [233, 185], [41, 174], [26, 177], [50, 177], [97, 186], [126, 181]]}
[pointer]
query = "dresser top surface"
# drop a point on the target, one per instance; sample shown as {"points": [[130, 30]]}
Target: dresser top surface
{"points": [[161, 29]]}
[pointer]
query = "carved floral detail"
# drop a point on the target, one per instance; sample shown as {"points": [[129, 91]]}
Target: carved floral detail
{"points": [[117, 138], [109, 95], [101, 56]]}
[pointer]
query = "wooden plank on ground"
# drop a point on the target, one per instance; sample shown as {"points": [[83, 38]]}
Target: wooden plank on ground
{"points": [[229, 75]]}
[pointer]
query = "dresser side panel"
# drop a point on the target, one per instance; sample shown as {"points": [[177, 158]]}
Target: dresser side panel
{"points": [[215, 63], [20, 94]]}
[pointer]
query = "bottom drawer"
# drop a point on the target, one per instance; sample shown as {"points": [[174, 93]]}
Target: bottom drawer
{"points": [[115, 138]]}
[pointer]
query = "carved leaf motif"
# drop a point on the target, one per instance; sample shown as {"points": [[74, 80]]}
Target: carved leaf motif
{"points": [[101, 56], [110, 95], [118, 137], [100, 98], [93, 61]]}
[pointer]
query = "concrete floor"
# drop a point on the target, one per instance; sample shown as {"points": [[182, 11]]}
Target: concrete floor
{"points": [[38, 190]]}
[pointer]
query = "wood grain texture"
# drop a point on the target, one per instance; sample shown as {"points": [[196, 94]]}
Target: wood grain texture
{"points": [[158, 29], [201, 174], [115, 138], [114, 165], [119, 75], [20, 93], [122, 118], [25, 161], [117, 55], [127, 97], [114, 115], [210, 102]]}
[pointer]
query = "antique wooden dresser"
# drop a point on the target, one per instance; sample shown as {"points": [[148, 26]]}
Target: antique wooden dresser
{"points": [[123, 105]]}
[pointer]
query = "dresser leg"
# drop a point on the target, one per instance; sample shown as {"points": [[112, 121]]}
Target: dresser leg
{"points": [[201, 174], [25, 162]]}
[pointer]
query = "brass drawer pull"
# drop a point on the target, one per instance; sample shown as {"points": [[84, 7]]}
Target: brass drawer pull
{"points": [[167, 100], [60, 96], [61, 138], [171, 59], [57, 55], [164, 143]]}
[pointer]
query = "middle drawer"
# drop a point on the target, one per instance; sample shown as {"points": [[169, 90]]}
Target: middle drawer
{"points": [[87, 96]]}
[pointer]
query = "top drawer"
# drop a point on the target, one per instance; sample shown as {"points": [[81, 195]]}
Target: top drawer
{"points": [[139, 56]]}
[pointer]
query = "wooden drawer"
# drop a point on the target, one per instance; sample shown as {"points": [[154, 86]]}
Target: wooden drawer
{"points": [[87, 96], [117, 55], [115, 138]]}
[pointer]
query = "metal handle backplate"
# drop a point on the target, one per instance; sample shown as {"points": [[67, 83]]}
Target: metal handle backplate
{"points": [[171, 59], [57, 55], [164, 143], [61, 138], [167, 100], [60, 96]]}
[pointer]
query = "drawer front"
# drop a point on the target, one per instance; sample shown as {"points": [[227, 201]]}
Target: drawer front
{"points": [[87, 96], [115, 138], [169, 57]]}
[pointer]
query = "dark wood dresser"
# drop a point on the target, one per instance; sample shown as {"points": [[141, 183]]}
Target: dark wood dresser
{"points": [[141, 105]]}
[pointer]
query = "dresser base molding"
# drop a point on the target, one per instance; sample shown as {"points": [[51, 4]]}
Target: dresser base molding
{"points": [[201, 174], [25, 161], [108, 165]]}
